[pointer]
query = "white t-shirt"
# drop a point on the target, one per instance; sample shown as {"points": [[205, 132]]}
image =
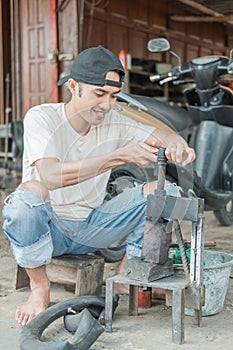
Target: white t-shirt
{"points": [[47, 133]]}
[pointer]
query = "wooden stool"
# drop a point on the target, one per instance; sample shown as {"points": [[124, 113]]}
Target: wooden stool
{"points": [[83, 272]]}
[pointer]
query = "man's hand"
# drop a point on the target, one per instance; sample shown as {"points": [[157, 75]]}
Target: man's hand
{"points": [[180, 153], [138, 153], [177, 149], [141, 154]]}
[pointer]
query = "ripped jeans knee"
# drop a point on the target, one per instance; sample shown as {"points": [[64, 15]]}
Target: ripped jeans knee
{"points": [[27, 226]]}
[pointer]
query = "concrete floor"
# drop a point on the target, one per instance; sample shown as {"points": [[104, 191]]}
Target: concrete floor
{"points": [[151, 330]]}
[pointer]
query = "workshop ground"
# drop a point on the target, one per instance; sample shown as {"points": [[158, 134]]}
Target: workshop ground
{"points": [[150, 330]]}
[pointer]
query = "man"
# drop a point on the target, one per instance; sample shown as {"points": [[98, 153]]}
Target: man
{"points": [[69, 151]]}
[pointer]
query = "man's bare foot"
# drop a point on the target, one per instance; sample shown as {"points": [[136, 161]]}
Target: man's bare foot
{"points": [[121, 289], [37, 302], [39, 298]]}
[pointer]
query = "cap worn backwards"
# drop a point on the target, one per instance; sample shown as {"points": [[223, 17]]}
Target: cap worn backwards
{"points": [[92, 65]]}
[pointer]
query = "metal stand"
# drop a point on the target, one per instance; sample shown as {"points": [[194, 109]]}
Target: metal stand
{"points": [[182, 290]]}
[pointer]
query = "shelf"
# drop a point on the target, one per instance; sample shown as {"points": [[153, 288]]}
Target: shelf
{"points": [[139, 72], [137, 82]]}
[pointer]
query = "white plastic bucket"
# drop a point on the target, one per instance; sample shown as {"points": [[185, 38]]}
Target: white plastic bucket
{"points": [[216, 273]]}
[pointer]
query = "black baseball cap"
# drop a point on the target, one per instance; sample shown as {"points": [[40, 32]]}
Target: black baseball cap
{"points": [[92, 65]]}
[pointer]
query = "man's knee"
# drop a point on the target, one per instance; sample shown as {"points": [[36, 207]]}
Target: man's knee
{"points": [[36, 187], [26, 214]]}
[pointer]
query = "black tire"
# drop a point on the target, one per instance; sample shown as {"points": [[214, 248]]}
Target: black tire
{"points": [[112, 254], [127, 175], [129, 170], [31, 333], [225, 215]]}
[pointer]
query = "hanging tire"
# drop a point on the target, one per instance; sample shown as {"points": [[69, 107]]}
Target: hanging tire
{"points": [[225, 215]]}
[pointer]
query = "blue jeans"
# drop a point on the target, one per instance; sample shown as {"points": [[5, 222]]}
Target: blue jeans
{"points": [[37, 234]]}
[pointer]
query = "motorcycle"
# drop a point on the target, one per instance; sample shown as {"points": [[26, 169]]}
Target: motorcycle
{"points": [[206, 123]]}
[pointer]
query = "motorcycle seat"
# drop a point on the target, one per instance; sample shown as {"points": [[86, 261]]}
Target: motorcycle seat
{"points": [[176, 117]]}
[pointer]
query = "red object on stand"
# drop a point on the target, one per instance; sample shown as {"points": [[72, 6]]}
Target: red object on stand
{"points": [[144, 297]]}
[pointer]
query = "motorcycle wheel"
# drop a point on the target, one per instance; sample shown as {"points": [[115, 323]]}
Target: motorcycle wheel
{"points": [[225, 215], [129, 171]]}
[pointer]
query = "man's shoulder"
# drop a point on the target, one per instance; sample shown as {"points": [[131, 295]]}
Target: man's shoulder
{"points": [[46, 108], [45, 111]]}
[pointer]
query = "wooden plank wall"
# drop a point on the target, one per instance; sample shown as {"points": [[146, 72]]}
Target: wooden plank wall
{"points": [[5, 49], [1, 68], [116, 24], [128, 25]]}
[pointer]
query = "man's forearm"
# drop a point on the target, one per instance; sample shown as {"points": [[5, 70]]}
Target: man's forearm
{"points": [[55, 174], [163, 138]]}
